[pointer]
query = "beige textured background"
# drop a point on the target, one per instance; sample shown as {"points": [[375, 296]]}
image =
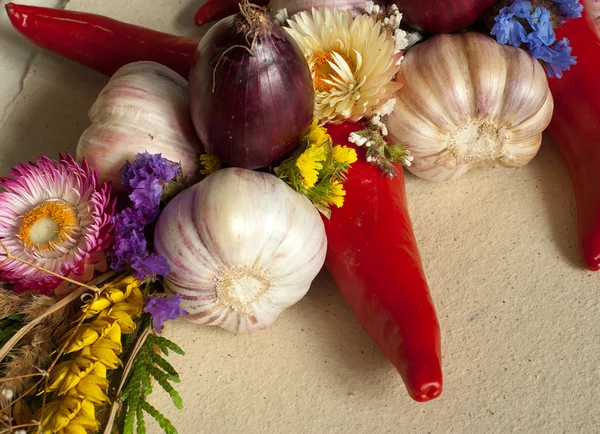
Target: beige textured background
{"points": [[519, 315]]}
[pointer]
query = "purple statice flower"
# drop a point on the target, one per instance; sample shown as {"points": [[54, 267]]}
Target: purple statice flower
{"points": [[543, 31], [129, 219], [147, 193], [148, 167], [509, 30], [570, 8], [149, 267], [164, 309], [145, 180], [128, 246], [562, 59]]}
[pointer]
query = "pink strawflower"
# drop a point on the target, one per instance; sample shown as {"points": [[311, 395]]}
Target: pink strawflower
{"points": [[56, 215]]}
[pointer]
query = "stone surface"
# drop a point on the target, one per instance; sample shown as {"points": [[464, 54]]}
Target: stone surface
{"points": [[519, 314]]}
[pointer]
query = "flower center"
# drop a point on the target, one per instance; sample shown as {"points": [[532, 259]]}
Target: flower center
{"points": [[47, 224], [322, 72]]}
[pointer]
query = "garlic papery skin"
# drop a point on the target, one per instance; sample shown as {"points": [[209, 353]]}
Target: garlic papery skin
{"points": [[294, 6], [468, 101], [242, 247], [144, 107]]}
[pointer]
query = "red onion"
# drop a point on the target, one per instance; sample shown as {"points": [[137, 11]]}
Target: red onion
{"points": [[251, 92], [442, 16]]}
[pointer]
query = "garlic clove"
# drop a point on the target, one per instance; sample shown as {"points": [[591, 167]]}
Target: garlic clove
{"points": [[242, 247], [521, 152], [524, 130], [144, 107], [468, 101]]}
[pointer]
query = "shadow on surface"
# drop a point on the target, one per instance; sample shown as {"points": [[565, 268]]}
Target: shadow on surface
{"points": [[558, 198], [340, 334]]}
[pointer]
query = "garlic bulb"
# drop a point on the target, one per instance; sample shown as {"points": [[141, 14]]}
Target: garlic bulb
{"points": [[242, 247], [592, 7], [467, 101], [294, 6], [144, 107]]}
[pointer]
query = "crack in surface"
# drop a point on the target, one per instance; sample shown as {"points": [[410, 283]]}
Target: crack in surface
{"points": [[7, 109]]}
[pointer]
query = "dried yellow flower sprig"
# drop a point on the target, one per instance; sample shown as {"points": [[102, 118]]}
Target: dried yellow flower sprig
{"points": [[318, 169], [209, 164], [80, 383]]}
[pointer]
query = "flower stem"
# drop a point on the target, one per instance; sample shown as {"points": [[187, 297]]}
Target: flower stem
{"points": [[116, 406], [45, 270]]}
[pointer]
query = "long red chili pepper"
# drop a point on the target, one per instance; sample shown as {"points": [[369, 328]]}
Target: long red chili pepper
{"points": [[99, 42], [575, 128], [373, 257], [214, 10]]}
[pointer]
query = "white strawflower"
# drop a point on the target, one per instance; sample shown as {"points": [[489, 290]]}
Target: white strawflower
{"points": [[281, 16], [352, 62]]}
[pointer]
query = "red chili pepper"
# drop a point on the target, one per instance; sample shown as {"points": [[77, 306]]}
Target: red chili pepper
{"points": [[214, 10], [575, 128], [373, 257], [99, 42]]}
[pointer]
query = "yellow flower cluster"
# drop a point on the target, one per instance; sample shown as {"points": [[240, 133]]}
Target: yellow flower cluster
{"points": [[344, 155], [310, 164], [337, 193], [318, 169], [80, 383], [314, 159]]}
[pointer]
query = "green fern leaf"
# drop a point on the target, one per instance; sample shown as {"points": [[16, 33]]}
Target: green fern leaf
{"points": [[130, 411], [146, 383], [141, 426], [149, 364], [164, 423], [161, 378], [165, 345], [165, 366]]}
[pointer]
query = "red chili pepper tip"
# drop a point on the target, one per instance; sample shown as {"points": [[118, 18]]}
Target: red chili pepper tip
{"points": [[10, 10]]}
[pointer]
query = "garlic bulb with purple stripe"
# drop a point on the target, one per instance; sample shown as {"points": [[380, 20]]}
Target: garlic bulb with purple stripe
{"points": [[242, 247], [144, 107], [467, 101]]}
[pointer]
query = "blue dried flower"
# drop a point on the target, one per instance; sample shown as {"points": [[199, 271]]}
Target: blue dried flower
{"points": [[543, 30], [150, 267], [164, 309], [562, 59], [520, 9], [541, 39], [570, 8], [555, 59], [507, 30], [539, 51]]}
